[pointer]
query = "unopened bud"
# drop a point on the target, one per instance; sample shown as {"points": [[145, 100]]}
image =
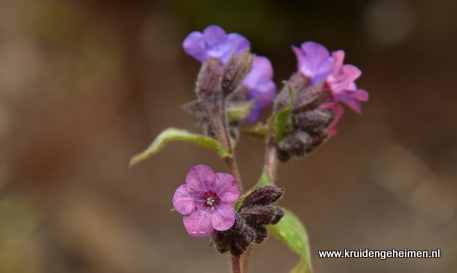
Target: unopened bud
{"points": [[209, 78], [235, 70], [263, 196]]}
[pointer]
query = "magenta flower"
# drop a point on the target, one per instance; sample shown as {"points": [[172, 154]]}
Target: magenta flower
{"points": [[206, 201], [214, 42], [314, 61], [342, 85], [261, 87]]}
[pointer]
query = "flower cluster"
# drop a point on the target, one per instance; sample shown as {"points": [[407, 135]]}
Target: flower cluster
{"points": [[255, 212], [322, 81], [233, 86], [232, 70]]}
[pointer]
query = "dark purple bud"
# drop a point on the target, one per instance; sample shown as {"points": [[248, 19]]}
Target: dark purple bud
{"points": [[235, 70], [262, 215], [236, 239], [311, 99], [314, 120], [221, 240], [262, 196], [299, 143], [209, 78], [241, 241], [261, 233]]}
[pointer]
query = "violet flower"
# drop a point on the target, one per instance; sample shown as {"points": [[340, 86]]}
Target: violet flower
{"points": [[214, 42], [261, 87], [206, 201], [314, 61], [342, 85]]}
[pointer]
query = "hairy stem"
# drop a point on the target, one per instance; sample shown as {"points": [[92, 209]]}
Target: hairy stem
{"points": [[244, 263], [220, 128], [271, 159], [236, 266]]}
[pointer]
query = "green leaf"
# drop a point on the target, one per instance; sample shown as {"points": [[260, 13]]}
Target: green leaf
{"points": [[260, 130], [301, 267], [240, 110], [279, 121], [173, 134], [265, 180], [292, 233]]}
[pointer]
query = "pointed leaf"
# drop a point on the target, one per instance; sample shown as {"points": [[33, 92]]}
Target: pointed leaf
{"points": [[173, 134], [279, 121], [292, 233], [260, 130], [240, 111]]}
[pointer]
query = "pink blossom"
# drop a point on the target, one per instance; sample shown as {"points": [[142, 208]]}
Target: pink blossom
{"points": [[206, 201]]}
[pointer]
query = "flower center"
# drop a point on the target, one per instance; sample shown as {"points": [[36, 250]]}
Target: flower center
{"points": [[210, 200]]}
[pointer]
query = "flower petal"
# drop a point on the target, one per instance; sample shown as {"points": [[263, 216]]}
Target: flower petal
{"points": [[226, 187], [198, 223], [194, 45], [223, 217], [314, 61], [200, 179], [214, 35], [261, 71], [183, 201]]}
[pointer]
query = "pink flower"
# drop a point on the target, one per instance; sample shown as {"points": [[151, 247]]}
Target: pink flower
{"points": [[206, 201], [342, 85]]}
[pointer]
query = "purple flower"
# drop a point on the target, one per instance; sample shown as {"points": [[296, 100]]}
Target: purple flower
{"points": [[342, 85], [206, 201], [214, 42], [260, 85], [314, 61]]}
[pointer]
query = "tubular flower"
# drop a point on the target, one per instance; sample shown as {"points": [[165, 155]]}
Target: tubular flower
{"points": [[206, 201], [261, 87]]}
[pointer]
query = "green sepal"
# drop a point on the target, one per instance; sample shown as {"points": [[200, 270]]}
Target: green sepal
{"points": [[265, 180], [240, 111], [278, 122], [292, 233], [173, 134]]}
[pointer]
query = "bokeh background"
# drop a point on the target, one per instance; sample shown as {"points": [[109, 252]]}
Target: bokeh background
{"points": [[86, 84]]}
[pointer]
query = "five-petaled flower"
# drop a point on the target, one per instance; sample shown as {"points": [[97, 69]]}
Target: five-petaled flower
{"points": [[206, 201]]}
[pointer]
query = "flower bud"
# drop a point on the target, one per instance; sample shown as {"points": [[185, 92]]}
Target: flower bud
{"points": [[209, 78], [263, 196], [235, 70]]}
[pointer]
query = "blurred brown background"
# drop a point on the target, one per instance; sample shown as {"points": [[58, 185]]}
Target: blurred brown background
{"points": [[86, 84]]}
